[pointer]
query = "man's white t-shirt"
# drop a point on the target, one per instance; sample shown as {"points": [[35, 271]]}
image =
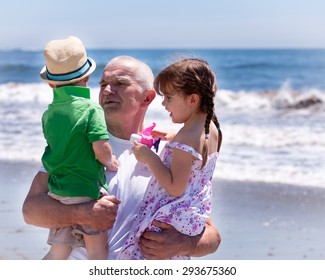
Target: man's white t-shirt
{"points": [[128, 184]]}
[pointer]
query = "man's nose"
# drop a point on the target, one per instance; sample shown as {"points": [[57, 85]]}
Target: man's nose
{"points": [[108, 90]]}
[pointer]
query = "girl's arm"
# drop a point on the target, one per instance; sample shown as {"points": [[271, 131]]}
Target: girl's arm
{"points": [[173, 180]]}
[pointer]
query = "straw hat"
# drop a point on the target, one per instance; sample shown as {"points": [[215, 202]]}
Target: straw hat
{"points": [[66, 62]]}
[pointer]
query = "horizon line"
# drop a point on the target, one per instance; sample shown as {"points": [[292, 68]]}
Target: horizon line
{"points": [[175, 48]]}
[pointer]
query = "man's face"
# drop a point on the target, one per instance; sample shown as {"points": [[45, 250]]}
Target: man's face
{"points": [[120, 93]]}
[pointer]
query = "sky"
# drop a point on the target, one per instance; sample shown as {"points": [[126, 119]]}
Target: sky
{"points": [[30, 24]]}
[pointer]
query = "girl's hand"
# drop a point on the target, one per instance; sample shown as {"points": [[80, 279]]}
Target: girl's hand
{"points": [[141, 152], [165, 136]]}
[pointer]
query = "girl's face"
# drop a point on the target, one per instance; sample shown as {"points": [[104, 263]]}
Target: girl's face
{"points": [[177, 105]]}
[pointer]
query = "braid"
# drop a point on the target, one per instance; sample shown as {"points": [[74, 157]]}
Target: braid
{"points": [[208, 107], [216, 122]]}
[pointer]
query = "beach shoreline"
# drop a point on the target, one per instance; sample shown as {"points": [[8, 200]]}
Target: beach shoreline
{"points": [[257, 221]]}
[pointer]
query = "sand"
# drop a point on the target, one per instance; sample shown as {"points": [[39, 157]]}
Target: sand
{"points": [[18, 240], [260, 221], [257, 221]]}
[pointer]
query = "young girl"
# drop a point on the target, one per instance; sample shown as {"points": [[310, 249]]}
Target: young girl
{"points": [[180, 191]]}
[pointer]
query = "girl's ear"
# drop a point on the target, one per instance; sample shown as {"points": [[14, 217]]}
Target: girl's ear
{"points": [[195, 99]]}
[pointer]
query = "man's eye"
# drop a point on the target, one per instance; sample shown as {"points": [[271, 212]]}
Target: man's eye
{"points": [[121, 83]]}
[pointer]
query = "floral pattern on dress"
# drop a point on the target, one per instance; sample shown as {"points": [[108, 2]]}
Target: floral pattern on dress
{"points": [[187, 213]]}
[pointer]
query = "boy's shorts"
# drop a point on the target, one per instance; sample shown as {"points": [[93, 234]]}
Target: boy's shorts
{"points": [[71, 236]]}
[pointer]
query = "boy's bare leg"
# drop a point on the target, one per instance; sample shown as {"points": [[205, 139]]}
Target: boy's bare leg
{"points": [[58, 252], [97, 246]]}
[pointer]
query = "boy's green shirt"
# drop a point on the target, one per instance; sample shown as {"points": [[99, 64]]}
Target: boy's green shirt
{"points": [[70, 125]]}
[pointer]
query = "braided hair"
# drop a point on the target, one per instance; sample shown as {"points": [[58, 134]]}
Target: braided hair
{"points": [[188, 76]]}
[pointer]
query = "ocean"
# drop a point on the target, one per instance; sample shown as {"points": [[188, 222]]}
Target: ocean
{"points": [[270, 104]]}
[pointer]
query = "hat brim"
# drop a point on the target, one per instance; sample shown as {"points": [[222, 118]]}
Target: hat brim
{"points": [[46, 79]]}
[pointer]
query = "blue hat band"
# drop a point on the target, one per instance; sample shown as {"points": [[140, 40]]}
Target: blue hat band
{"points": [[72, 75]]}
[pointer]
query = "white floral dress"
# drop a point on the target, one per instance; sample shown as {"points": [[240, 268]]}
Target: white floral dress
{"points": [[187, 213]]}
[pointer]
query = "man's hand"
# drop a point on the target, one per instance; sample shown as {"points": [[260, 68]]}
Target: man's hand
{"points": [[165, 244], [169, 242], [41, 210], [102, 213]]}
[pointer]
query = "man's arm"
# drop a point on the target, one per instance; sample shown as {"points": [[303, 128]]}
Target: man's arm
{"points": [[169, 242], [41, 210]]}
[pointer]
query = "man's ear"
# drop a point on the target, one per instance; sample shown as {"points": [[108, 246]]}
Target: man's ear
{"points": [[150, 95], [52, 85]]}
